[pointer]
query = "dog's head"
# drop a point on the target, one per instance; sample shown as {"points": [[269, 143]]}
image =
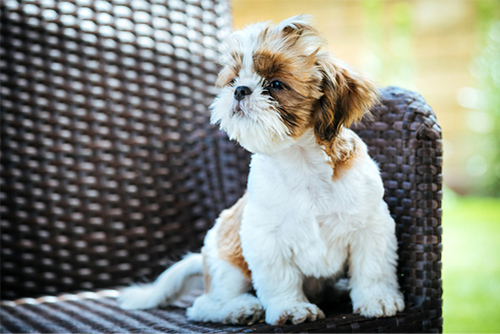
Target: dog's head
{"points": [[277, 81]]}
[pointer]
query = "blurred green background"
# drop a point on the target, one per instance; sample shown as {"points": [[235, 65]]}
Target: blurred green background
{"points": [[471, 266], [448, 51]]}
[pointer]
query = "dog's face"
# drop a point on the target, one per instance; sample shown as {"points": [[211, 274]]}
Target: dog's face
{"points": [[277, 82]]}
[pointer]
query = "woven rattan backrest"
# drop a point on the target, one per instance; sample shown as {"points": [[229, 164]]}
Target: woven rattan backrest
{"points": [[109, 166]]}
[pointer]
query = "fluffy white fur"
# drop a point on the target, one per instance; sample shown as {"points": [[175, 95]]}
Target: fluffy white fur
{"points": [[300, 225]]}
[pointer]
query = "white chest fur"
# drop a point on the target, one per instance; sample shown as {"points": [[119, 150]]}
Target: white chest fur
{"points": [[294, 199]]}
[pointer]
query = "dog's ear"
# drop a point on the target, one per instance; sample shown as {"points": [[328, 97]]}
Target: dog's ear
{"points": [[347, 97], [296, 25]]}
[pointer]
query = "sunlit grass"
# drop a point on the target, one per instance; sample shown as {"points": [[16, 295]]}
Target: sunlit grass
{"points": [[471, 264]]}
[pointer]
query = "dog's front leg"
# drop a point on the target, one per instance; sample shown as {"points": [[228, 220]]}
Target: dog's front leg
{"points": [[277, 281], [372, 268]]}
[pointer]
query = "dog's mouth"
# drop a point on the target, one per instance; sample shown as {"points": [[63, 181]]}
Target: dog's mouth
{"points": [[238, 110]]}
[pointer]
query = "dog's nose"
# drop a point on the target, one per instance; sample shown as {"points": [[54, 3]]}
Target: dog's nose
{"points": [[241, 92]]}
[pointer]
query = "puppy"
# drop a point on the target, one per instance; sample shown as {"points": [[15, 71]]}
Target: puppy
{"points": [[313, 204]]}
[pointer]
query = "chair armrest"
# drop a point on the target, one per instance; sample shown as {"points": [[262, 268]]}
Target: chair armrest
{"points": [[404, 138]]}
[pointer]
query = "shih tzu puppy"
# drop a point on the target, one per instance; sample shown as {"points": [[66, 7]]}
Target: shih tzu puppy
{"points": [[313, 204]]}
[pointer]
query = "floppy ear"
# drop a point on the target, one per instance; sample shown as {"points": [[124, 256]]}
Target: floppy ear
{"points": [[348, 96]]}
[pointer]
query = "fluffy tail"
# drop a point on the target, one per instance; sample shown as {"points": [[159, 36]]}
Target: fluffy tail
{"points": [[167, 288]]}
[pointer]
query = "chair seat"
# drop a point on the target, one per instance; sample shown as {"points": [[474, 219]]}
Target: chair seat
{"points": [[98, 312]]}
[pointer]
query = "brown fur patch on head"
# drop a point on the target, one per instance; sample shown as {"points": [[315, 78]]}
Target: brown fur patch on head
{"points": [[319, 91], [230, 70], [288, 56], [348, 96], [228, 236]]}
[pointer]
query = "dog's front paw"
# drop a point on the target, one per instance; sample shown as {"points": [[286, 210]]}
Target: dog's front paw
{"points": [[375, 303], [295, 313]]}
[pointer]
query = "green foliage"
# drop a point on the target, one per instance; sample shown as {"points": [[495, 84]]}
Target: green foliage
{"points": [[486, 69], [471, 264]]}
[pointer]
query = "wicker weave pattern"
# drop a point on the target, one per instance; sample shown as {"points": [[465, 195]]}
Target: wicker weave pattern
{"points": [[102, 315], [105, 139]]}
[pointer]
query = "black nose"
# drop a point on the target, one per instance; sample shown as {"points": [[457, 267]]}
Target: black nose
{"points": [[241, 92]]}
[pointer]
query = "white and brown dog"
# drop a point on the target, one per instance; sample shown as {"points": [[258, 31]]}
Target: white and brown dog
{"points": [[314, 199]]}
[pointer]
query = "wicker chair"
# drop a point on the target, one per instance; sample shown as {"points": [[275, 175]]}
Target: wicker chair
{"points": [[109, 167]]}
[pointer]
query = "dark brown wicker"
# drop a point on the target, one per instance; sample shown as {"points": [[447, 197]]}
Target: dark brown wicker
{"points": [[109, 166]]}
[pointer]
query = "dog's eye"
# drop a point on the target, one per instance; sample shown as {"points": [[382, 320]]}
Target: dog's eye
{"points": [[230, 83], [275, 84]]}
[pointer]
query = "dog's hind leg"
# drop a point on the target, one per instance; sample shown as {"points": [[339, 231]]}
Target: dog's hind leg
{"points": [[227, 277], [226, 298]]}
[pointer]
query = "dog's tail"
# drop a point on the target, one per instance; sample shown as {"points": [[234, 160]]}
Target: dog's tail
{"points": [[168, 288]]}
